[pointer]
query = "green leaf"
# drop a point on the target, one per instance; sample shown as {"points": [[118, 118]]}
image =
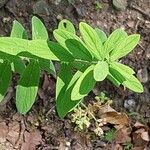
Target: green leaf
{"points": [[133, 84], [18, 31], [126, 78], [18, 66], [111, 78], [64, 86], [114, 39], [5, 78], [92, 40], [126, 46], [27, 87], [101, 34], [59, 51], [67, 25], [16, 46], [38, 29], [39, 32], [101, 70], [48, 66], [121, 68], [117, 75], [62, 35], [84, 84], [118, 66], [78, 50], [120, 4]]}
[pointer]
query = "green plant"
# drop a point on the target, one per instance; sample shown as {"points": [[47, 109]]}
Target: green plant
{"points": [[128, 146], [102, 97], [83, 60], [98, 5], [96, 58], [109, 135], [27, 87]]}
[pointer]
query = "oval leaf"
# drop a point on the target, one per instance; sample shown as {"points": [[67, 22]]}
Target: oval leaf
{"points": [[101, 70], [92, 40], [38, 29], [84, 84], [114, 39], [101, 34], [27, 87], [64, 86], [67, 25], [62, 35], [5, 78], [111, 78], [78, 50], [18, 31], [126, 46], [133, 84]]}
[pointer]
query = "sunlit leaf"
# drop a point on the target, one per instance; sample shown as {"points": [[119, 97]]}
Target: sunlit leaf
{"points": [[92, 40], [18, 31], [38, 29], [126, 46], [67, 25], [84, 84], [101, 34], [101, 70], [27, 87]]}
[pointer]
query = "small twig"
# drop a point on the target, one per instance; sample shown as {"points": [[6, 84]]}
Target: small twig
{"points": [[21, 134], [50, 111]]}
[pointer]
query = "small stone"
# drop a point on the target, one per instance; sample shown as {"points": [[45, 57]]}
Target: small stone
{"points": [[120, 4], [131, 24], [57, 2], [2, 3], [129, 104], [41, 7], [142, 75]]}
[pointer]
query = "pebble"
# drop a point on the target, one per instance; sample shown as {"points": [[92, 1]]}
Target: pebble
{"points": [[129, 104], [120, 4], [41, 7], [142, 75]]}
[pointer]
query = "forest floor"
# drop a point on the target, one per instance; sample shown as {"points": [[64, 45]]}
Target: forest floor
{"points": [[41, 128]]}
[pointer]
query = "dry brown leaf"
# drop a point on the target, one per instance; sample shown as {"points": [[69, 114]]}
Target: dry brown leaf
{"points": [[138, 125], [140, 135], [118, 119], [13, 134], [113, 146], [123, 135], [118, 147], [32, 139], [145, 136], [105, 109], [109, 114], [3, 132], [140, 148]]}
